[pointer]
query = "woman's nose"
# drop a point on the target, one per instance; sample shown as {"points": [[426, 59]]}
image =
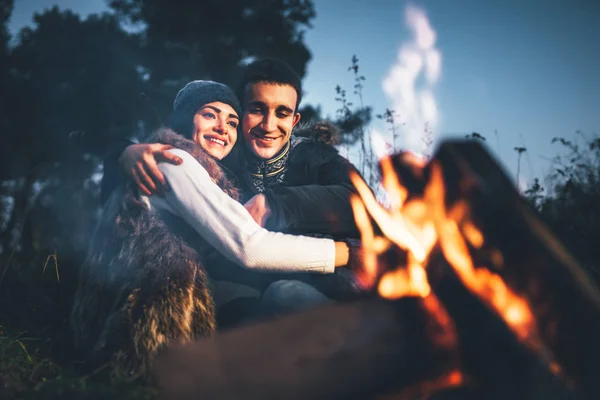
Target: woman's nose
{"points": [[221, 127]]}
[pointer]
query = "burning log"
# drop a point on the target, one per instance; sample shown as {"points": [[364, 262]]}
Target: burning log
{"points": [[520, 250], [497, 364], [358, 350], [466, 227]]}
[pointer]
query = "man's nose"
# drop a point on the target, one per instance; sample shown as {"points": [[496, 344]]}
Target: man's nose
{"points": [[269, 123]]}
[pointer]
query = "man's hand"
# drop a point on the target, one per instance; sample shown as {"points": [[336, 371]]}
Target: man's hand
{"points": [[259, 209], [139, 161]]}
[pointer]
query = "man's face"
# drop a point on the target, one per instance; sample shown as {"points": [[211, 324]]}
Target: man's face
{"points": [[269, 116], [215, 128]]}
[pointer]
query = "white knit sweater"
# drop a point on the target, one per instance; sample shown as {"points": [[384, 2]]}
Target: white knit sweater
{"points": [[226, 225]]}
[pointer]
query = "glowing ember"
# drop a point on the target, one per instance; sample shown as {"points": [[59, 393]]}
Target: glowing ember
{"points": [[416, 224]]}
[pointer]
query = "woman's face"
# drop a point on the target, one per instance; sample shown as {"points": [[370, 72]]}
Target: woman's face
{"points": [[215, 128]]}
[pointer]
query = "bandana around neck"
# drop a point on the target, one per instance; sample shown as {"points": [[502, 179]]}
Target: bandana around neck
{"points": [[264, 173], [267, 172]]}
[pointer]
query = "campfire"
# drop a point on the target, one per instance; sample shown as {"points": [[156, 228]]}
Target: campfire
{"points": [[472, 298]]}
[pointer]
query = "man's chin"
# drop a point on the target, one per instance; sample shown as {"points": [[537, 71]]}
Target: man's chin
{"points": [[264, 151]]}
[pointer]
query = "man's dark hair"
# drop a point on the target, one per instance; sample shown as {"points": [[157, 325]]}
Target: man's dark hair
{"points": [[270, 70]]}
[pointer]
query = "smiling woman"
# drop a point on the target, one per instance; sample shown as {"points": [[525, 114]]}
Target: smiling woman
{"points": [[215, 129]]}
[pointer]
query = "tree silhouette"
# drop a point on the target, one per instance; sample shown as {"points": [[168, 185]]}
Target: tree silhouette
{"points": [[69, 76], [186, 40]]}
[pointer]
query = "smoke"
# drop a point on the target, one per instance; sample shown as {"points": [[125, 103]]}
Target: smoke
{"points": [[379, 145], [414, 100]]}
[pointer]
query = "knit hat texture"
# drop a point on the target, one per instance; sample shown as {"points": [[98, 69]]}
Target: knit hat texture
{"points": [[192, 97]]}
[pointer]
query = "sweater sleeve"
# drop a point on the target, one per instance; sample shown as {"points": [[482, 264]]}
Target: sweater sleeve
{"points": [[226, 225]]}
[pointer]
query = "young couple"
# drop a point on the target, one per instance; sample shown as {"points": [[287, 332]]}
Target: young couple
{"points": [[159, 232]]}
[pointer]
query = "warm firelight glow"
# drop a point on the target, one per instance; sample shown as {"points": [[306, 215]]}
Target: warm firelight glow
{"points": [[416, 224], [490, 287], [389, 223]]}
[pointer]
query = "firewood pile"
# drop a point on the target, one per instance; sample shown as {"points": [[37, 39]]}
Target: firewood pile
{"points": [[473, 298]]}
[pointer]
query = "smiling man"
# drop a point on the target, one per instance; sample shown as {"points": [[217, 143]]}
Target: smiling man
{"points": [[269, 118], [300, 182]]}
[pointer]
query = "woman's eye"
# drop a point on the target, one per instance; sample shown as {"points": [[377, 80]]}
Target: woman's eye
{"points": [[233, 124], [209, 115]]}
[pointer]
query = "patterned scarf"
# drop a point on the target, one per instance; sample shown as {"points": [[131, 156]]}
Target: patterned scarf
{"points": [[265, 173]]}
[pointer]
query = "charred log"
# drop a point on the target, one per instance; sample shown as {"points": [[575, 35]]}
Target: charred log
{"points": [[360, 350]]}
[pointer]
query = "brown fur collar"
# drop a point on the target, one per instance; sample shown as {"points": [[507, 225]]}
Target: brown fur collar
{"points": [[214, 168]]}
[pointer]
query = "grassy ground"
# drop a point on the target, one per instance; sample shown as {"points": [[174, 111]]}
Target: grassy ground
{"points": [[26, 372], [36, 357]]}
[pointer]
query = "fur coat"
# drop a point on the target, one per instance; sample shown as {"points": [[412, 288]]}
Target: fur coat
{"points": [[143, 286]]}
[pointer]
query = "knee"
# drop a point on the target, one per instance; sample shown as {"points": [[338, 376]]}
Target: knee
{"points": [[281, 288], [292, 292]]}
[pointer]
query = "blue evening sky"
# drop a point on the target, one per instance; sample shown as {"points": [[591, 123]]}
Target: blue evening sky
{"points": [[528, 70]]}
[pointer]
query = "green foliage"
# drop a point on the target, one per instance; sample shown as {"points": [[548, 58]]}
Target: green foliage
{"points": [[353, 123], [520, 151], [571, 202], [391, 118], [26, 373]]}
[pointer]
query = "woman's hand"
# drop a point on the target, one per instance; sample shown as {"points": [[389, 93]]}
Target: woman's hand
{"points": [[139, 161]]}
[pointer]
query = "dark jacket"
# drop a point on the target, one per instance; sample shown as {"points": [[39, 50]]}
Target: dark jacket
{"points": [[314, 197]]}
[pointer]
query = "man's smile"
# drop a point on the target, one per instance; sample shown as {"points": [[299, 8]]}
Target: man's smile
{"points": [[263, 138]]}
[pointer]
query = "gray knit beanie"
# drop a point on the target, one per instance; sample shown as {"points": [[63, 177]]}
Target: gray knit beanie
{"points": [[192, 97]]}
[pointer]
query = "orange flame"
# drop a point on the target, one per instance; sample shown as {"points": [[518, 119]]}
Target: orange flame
{"points": [[416, 225]]}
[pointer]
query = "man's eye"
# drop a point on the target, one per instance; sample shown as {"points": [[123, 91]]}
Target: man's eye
{"points": [[255, 110], [283, 114]]}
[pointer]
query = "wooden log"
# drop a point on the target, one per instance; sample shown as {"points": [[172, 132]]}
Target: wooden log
{"points": [[361, 350], [533, 263], [497, 364]]}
